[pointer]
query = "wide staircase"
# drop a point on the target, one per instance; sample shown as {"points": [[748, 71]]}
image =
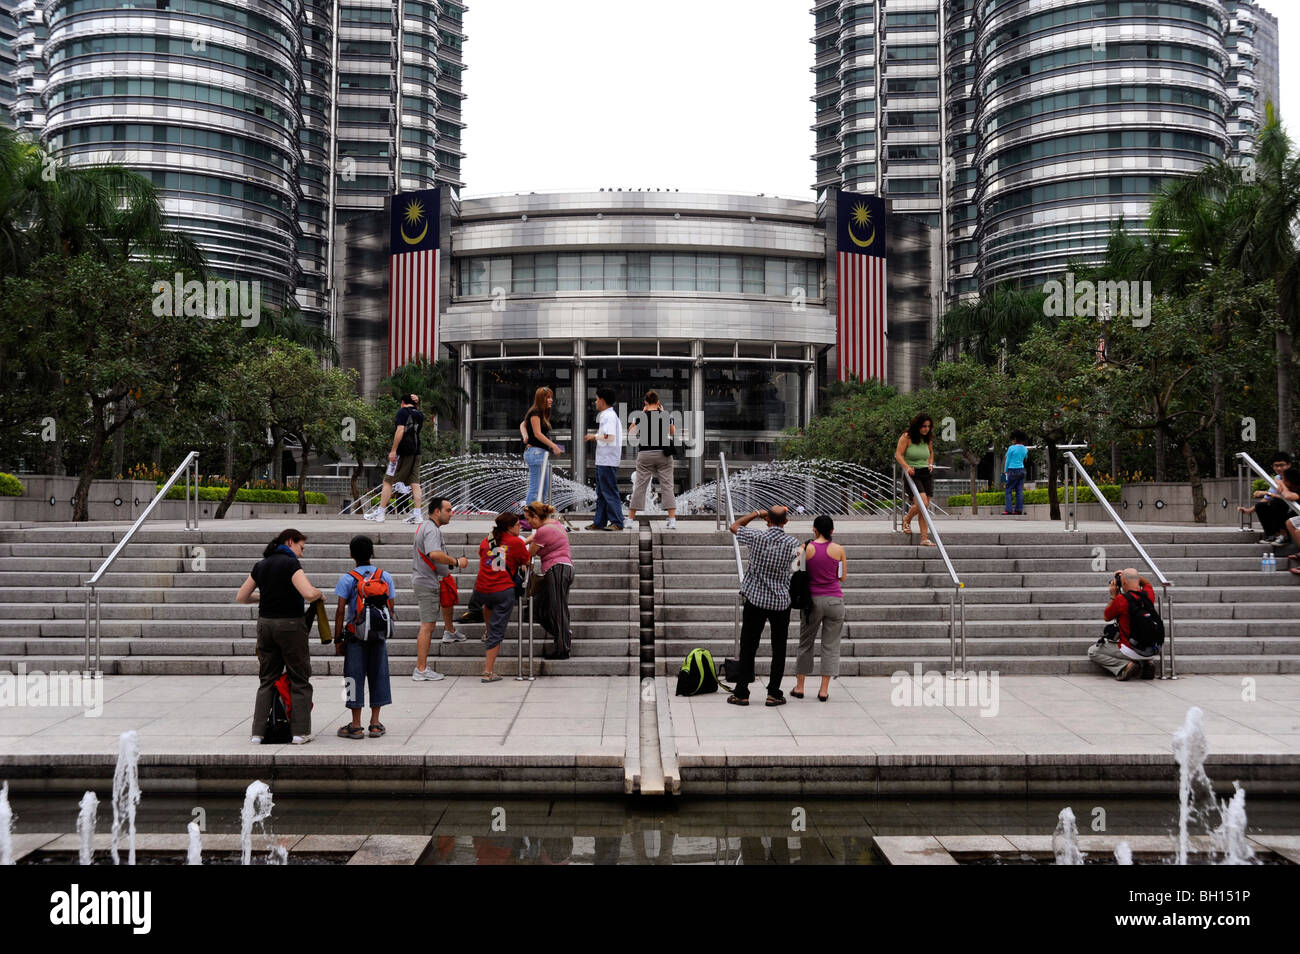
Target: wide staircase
{"points": [[167, 609], [1033, 599]]}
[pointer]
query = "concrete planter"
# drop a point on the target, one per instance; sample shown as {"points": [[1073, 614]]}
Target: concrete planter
{"points": [[49, 499], [1170, 502]]}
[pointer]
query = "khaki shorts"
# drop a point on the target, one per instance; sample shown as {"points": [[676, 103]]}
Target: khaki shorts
{"points": [[408, 471], [427, 600]]}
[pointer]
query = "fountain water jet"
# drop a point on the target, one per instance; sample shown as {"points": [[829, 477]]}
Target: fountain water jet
{"points": [[1230, 837], [126, 791], [1123, 854], [257, 808], [6, 827], [194, 855], [86, 819], [1065, 840]]}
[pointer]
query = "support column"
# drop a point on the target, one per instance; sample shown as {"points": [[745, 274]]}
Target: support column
{"points": [[697, 412], [577, 445], [466, 372], [809, 385]]}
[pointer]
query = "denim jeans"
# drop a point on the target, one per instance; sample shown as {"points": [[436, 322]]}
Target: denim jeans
{"points": [[364, 662], [534, 457], [1016, 486], [609, 509]]}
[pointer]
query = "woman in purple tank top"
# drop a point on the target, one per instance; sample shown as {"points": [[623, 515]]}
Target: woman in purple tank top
{"points": [[827, 567]]}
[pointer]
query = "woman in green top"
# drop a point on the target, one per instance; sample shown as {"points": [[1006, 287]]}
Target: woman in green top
{"points": [[915, 454]]}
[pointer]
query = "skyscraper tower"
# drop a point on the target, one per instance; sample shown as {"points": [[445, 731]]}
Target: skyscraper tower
{"points": [[263, 123], [1024, 131], [8, 32]]}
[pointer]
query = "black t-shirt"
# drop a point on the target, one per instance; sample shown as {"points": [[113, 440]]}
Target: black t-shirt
{"points": [[655, 433], [412, 420], [541, 423], [274, 578]]}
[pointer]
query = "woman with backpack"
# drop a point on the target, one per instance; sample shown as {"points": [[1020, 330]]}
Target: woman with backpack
{"points": [[500, 557], [365, 609], [282, 587], [536, 432], [551, 540], [828, 565], [654, 459]]}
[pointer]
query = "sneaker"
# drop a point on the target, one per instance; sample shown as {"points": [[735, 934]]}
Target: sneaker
{"points": [[416, 518], [612, 526], [1148, 670], [592, 526], [452, 637], [426, 675], [300, 740], [373, 514], [1129, 671], [671, 524], [255, 740]]}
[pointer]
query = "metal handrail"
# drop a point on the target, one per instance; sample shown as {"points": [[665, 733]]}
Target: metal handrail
{"points": [[191, 461], [519, 666], [725, 489], [958, 589], [1166, 597], [1244, 460]]}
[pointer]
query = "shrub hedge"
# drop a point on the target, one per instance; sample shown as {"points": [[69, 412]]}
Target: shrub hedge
{"points": [[1039, 496], [246, 495], [11, 486]]}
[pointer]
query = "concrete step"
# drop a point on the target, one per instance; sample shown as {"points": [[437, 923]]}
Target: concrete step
{"points": [[1087, 630], [110, 610], [627, 645], [1011, 665], [1041, 646], [247, 629], [723, 593], [331, 666], [723, 611]]}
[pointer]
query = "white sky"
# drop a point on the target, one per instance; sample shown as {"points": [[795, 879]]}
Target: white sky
{"points": [[709, 95]]}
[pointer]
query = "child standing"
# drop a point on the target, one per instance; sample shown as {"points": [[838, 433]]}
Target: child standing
{"points": [[362, 661]]}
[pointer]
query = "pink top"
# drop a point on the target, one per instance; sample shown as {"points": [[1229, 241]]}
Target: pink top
{"points": [[823, 572], [553, 544]]}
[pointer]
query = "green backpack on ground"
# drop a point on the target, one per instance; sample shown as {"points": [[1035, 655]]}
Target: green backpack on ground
{"points": [[698, 674]]}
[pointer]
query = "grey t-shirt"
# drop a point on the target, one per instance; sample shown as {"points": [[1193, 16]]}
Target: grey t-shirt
{"points": [[428, 539]]}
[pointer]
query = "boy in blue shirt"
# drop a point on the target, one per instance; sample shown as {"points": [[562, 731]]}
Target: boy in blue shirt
{"points": [[367, 660], [1014, 476]]}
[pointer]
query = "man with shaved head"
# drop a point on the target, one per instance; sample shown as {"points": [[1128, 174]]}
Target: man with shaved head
{"points": [[1117, 652], [766, 592]]}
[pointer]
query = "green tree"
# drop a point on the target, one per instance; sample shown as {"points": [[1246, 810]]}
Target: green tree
{"points": [[90, 326], [860, 422], [974, 396], [433, 381], [990, 326]]}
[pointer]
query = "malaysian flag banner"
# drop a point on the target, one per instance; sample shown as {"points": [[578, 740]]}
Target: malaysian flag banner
{"points": [[413, 276], [860, 269]]}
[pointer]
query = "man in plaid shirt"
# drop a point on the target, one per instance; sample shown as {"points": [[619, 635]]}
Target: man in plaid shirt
{"points": [[766, 592]]}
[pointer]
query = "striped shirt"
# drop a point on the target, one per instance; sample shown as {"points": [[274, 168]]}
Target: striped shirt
{"points": [[771, 555]]}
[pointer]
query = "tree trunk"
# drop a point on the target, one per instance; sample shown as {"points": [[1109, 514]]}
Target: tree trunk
{"points": [[1160, 453], [119, 448], [235, 484], [80, 507], [1052, 498], [974, 484], [302, 476], [1220, 437], [1194, 478], [1285, 357]]}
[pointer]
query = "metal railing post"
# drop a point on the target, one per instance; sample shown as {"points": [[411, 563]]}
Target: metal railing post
{"points": [[98, 626], [1243, 519], [89, 590], [893, 500], [953, 622], [717, 523]]}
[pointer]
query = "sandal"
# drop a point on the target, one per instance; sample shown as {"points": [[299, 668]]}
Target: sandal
{"points": [[928, 543], [773, 701], [377, 730], [490, 677], [796, 694], [351, 732], [737, 701], [821, 698], [907, 527]]}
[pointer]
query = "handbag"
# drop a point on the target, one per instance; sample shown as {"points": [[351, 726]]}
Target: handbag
{"points": [[535, 584], [800, 584]]}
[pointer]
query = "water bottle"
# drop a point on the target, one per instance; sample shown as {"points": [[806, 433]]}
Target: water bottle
{"points": [[1267, 563], [1272, 563]]}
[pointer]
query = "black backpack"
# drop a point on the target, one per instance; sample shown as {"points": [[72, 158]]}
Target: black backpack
{"points": [[698, 674], [801, 587], [277, 730], [1146, 631]]}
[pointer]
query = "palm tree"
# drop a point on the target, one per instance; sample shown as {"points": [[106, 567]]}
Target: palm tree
{"points": [[988, 327], [106, 210], [434, 381]]}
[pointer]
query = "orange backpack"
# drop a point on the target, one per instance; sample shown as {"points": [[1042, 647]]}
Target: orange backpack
{"points": [[371, 619]]}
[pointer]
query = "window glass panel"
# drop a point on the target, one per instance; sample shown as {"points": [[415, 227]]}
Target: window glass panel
{"points": [[568, 272], [638, 271], [616, 271], [593, 271], [544, 268], [661, 272], [729, 273]]}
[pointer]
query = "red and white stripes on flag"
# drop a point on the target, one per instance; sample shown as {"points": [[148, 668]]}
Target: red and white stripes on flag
{"points": [[412, 306], [861, 329]]}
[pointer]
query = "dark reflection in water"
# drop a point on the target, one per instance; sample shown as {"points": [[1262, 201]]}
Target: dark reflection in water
{"points": [[784, 831]]}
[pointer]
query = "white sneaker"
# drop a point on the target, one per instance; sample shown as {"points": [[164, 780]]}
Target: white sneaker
{"points": [[300, 740], [255, 740], [671, 524], [452, 637], [416, 518], [375, 514], [426, 675]]}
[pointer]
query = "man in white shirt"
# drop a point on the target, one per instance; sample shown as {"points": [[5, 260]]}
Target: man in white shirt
{"points": [[609, 448]]}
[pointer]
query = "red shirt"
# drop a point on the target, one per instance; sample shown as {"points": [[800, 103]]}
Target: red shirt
{"points": [[497, 564], [1117, 609]]}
